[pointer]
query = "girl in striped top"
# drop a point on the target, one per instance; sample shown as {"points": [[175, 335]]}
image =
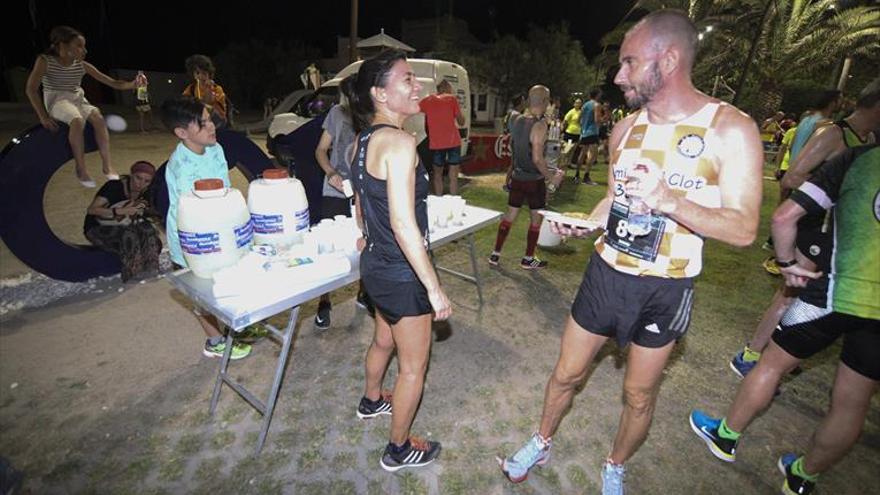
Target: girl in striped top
{"points": [[60, 71]]}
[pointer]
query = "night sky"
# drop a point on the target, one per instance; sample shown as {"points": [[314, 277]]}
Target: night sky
{"points": [[159, 35]]}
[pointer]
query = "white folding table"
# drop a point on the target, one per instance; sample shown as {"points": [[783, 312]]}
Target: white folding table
{"points": [[238, 313]]}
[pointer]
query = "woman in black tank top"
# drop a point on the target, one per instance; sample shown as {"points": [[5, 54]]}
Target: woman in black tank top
{"points": [[396, 270]]}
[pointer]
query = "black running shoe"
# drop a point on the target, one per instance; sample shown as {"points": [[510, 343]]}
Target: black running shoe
{"points": [[794, 484], [494, 259], [322, 319], [363, 302], [532, 264], [370, 409], [417, 453]]}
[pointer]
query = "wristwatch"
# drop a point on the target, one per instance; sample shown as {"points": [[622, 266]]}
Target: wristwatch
{"points": [[786, 264]]}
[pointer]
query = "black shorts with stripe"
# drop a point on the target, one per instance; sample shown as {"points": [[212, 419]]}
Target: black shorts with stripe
{"points": [[806, 330], [648, 311]]}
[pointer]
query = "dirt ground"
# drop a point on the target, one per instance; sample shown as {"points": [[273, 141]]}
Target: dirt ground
{"points": [[108, 392]]}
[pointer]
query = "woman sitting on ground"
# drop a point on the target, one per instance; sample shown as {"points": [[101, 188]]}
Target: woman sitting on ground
{"points": [[115, 222]]}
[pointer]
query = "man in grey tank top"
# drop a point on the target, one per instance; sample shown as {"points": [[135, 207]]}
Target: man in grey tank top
{"points": [[528, 133]]}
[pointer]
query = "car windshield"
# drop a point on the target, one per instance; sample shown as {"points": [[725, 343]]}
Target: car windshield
{"points": [[318, 103]]}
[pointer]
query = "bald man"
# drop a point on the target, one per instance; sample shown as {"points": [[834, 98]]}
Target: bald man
{"points": [[528, 135], [695, 163]]}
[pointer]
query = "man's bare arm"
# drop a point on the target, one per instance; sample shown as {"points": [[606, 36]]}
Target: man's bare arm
{"points": [[740, 162], [823, 144]]}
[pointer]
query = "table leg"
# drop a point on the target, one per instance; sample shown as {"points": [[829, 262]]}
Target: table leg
{"points": [[289, 333], [224, 364], [475, 267]]}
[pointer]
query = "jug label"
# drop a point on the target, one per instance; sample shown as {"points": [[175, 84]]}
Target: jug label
{"points": [[244, 234], [199, 242], [268, 224], [302, 219]]}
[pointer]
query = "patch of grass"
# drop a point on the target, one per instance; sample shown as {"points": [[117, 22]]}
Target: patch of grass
{"points": [[222, 439], [549, 476], [251, 438], [172, 469], [189, 443], [157, 442], [375, 488], [198, 418], [344, 460], [287, 439], [232, 414], [309, 459], [138, 469], [64, 471], [342, 487], [104, 471], [208, 468], [410, 484]]}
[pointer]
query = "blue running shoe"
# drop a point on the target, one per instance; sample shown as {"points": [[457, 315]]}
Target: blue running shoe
{"points": [[612, 478], [706, 427], [534, 452], [794, 484], [740, 366]]}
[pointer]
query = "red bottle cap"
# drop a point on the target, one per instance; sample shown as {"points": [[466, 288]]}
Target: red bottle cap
{"points": [[208, 184], [275, 173]]}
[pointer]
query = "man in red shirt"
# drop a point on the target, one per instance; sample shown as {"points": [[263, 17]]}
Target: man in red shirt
{"points": [[441, 115]]}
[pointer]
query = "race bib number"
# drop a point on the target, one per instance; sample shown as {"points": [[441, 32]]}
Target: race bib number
{"points": [[618, 236]]}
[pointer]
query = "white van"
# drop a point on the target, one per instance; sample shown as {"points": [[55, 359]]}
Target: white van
{"points": [[428, 72]]}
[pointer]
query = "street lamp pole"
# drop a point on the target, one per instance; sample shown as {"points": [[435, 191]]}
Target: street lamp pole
{"points": [[353, 32]]}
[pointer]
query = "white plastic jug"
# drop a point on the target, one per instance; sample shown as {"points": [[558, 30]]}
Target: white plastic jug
{"points": [[214, 227], [279, 209], [546, 237]]}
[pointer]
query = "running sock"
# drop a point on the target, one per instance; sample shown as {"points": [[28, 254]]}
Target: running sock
{"points": [[726, 433], [396, 450], [532, 240], [750, 355], [216, 340], [798, 469], [503, 230]]}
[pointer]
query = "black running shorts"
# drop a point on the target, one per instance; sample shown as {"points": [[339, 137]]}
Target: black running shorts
{"points": [[533, 192], [587, 140], [396, 299], [806, 330], [648, 311]]}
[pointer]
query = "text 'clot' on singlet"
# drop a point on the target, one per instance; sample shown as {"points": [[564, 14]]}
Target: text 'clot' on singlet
{"points": [[681, 151], [382, 256]]}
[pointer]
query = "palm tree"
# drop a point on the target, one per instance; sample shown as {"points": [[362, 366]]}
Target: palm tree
{"points": [[805, 39], [797, 39]]}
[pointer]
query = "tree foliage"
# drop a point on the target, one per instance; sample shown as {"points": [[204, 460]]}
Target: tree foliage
{"points": [[799, 40], [253, 70], [549, 56]]}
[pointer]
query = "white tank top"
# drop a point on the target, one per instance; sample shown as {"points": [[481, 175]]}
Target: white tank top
{"points": [[680, 149]]}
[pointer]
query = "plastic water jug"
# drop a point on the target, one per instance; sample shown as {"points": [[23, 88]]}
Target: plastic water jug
{"points": [[214, 226], [279, 209]]}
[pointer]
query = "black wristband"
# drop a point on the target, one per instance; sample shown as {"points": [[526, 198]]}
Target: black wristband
{"points": [[786, 264]]}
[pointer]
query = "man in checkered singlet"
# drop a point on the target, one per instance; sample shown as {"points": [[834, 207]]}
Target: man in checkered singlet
{"points": [[695, 163]]}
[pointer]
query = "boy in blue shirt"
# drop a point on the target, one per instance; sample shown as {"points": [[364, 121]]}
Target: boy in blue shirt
{"points": [[197, 156]]}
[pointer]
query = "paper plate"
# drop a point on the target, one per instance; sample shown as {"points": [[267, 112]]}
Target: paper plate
{"points": [[555, 216]]}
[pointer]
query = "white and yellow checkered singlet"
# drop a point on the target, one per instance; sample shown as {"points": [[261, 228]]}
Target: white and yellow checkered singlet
{"points": [[681, 151]]}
